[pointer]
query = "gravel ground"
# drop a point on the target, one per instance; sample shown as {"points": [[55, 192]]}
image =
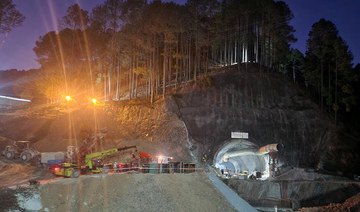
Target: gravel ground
{"points": [[133, 192], [16, 172]]}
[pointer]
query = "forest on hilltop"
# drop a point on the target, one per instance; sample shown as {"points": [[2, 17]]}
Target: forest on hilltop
{"points": [[120, 46]]}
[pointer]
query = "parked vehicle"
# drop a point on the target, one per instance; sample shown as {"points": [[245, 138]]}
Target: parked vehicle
{"points": [[20, 149]]}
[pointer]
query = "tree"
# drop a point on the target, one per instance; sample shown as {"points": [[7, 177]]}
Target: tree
{"points": [[329, 70], [57, 53], [159, 45], [131, 10], [255, 31], [295, 65], [109, 15], [76, 18], [10, 17], [201, 15], [50, 84]]}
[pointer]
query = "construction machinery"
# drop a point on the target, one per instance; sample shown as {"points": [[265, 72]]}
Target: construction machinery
{"points": [[90, 141], [49, 160], [20, 149], [145, 157], [93, 163]]}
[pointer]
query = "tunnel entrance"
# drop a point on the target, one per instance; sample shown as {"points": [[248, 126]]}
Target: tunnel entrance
{"points": [[243, 156]]}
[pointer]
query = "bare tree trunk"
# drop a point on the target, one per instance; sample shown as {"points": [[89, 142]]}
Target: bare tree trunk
{"points": [[177, 63], [164, 71], [329, 91], [294, 72], [156, 69], [136, 78], [105, 97], [169, 64], [130, 79], [336, 82], [231, 53], [189, 75], [225, 51], [133, 79], [136, 85], [321, 86], [207, 60], [117, 82], [109, 94]]}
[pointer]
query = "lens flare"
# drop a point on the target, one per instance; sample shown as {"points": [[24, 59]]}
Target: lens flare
{"points": [[68, 98]]}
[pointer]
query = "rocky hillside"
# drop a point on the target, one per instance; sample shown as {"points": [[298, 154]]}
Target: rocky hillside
{"points": [[198, 116], [266, 105], [155, 129]]}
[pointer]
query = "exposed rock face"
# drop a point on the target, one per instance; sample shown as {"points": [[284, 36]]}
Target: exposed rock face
{"points": [[156, 124], [269, 108]]}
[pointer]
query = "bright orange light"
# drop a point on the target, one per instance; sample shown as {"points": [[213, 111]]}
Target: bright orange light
{"points": [[68, 98], [56, 169], [93, 100]]}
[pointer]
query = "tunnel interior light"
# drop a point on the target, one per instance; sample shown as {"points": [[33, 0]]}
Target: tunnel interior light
{"points": [[93, 100], [241, 157]]}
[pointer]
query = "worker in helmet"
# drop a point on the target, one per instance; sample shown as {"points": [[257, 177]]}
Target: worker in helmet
{"points": [[99, 162], [115, 166]]}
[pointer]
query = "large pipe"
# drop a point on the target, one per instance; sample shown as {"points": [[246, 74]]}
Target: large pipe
{"points": [[228, 155], [262, 151], [270, 148]]}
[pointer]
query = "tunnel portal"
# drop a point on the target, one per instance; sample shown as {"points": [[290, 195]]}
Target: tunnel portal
{"points": [[240, 155]]}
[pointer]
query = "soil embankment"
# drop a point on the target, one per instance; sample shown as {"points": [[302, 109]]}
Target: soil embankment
{"points": [[127, 192], [156, 128]]}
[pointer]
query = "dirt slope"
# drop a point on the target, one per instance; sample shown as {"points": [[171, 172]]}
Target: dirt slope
{"points": [[351, 204], [54, 127], [129, 192]]}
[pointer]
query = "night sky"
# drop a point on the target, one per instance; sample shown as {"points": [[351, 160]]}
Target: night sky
{"points": [[16, 48]]}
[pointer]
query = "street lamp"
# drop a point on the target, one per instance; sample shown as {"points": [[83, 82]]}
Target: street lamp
{"points": [[68, 98]]}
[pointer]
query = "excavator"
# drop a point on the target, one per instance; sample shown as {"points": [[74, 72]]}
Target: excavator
{"points": [[84, 160], [92, 163]]}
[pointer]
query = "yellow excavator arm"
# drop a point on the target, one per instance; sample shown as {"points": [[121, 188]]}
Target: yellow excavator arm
{"points": [[100, 155]]}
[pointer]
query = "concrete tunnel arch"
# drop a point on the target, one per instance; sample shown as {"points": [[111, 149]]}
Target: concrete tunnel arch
{"points": [[247, 158]]}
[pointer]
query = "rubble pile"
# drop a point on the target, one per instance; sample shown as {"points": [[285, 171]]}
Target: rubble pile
{"points": [[351, 204]]}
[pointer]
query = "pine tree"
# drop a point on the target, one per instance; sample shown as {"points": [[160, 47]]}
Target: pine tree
{"points": [[329, 68]]}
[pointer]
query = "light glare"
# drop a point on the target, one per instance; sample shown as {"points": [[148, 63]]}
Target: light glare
{"points": [[68, 98]]}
